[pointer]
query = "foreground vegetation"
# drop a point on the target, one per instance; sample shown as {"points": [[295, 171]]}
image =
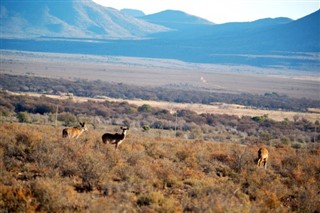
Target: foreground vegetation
{"points": [[150, 172], [180, 162]]}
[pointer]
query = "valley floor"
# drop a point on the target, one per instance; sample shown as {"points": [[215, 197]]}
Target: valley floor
{"points": [[165, 73]]}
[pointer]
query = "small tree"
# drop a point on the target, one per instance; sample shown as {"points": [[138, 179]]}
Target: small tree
{"points": [[145, 128], [145, 108], [67, 118]]}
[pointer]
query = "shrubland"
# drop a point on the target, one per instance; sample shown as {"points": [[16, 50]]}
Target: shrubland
{"points": [[152, 171], [182, 123], [170, 162]]}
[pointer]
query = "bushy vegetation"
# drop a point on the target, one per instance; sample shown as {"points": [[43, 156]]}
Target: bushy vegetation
{"points": [[85, 88], [170, 162], [150, 172], [184, 123]]}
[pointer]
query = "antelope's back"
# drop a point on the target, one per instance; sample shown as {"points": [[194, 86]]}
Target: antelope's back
{"points": [[71, 132], [263, 153], [107, 137]]}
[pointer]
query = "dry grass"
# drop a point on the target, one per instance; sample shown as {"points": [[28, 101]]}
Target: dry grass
{"points": [[40, 171]]}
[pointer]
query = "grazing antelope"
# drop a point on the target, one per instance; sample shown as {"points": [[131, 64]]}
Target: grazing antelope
{"points": [[74, 132], [116, 138], [262, 157]]}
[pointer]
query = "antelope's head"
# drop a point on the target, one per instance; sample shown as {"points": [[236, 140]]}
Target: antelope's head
{"points": [[124, 128], [84, 126]]}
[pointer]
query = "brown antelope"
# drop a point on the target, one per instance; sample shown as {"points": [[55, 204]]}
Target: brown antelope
{"points": [[263, 155], [74, 132], [116, 138]]}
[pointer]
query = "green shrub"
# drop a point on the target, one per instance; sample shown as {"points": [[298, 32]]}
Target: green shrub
{"points": [[23, 117], [296, 145]]}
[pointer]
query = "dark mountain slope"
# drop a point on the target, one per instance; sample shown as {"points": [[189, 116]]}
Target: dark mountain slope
{"points": [[300, 35], [261, 36]]}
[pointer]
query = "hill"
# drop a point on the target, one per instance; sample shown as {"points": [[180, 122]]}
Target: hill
{"points": [[71, 18], [261, 36], [175, 19], [277, 42], [132, 12]]}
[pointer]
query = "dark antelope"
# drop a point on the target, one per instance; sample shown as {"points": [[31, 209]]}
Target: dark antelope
{"points": [[263, 155], [116, 138], [74, 132]]}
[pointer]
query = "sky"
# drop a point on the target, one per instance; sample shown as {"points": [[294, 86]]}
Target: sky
{"points": [[223, 11]]}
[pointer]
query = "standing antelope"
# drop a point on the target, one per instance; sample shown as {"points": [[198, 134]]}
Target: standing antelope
{"points": [[116, 138], [74, 132], [263, 155]]}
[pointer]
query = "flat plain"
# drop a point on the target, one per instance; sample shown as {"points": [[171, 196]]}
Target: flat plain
{"points": [[163, 73]]}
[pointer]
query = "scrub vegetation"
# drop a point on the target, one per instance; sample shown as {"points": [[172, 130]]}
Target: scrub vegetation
{"points": [[169, 162]]}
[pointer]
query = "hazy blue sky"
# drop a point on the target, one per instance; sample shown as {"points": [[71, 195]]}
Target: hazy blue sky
{"points": [[221, 11]]}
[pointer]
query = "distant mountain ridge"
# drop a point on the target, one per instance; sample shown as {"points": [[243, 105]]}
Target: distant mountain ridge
{"points": [[70, 18], [175, 19], [133, 12], [261, 36], [172, 34]]}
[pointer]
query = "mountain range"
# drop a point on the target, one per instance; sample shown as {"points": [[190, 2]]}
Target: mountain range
{"points": [[70, 18], [167, 34]]}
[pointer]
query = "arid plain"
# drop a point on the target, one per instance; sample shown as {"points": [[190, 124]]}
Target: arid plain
{"points": [[163, 72], [172, 73]]}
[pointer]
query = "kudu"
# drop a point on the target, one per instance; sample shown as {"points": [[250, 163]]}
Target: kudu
{"points": [[74, 132], [263, 155], [115, 139]]}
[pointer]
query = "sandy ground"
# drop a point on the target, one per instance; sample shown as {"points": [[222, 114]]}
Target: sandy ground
{"points": [[162, 72]]}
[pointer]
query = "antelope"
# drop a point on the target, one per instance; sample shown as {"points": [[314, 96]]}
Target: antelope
{"points": [[74, 132], [116, 138], [262, 157]]}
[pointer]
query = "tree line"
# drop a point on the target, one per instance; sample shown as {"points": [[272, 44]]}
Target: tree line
{"points": [[270, 100]]}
